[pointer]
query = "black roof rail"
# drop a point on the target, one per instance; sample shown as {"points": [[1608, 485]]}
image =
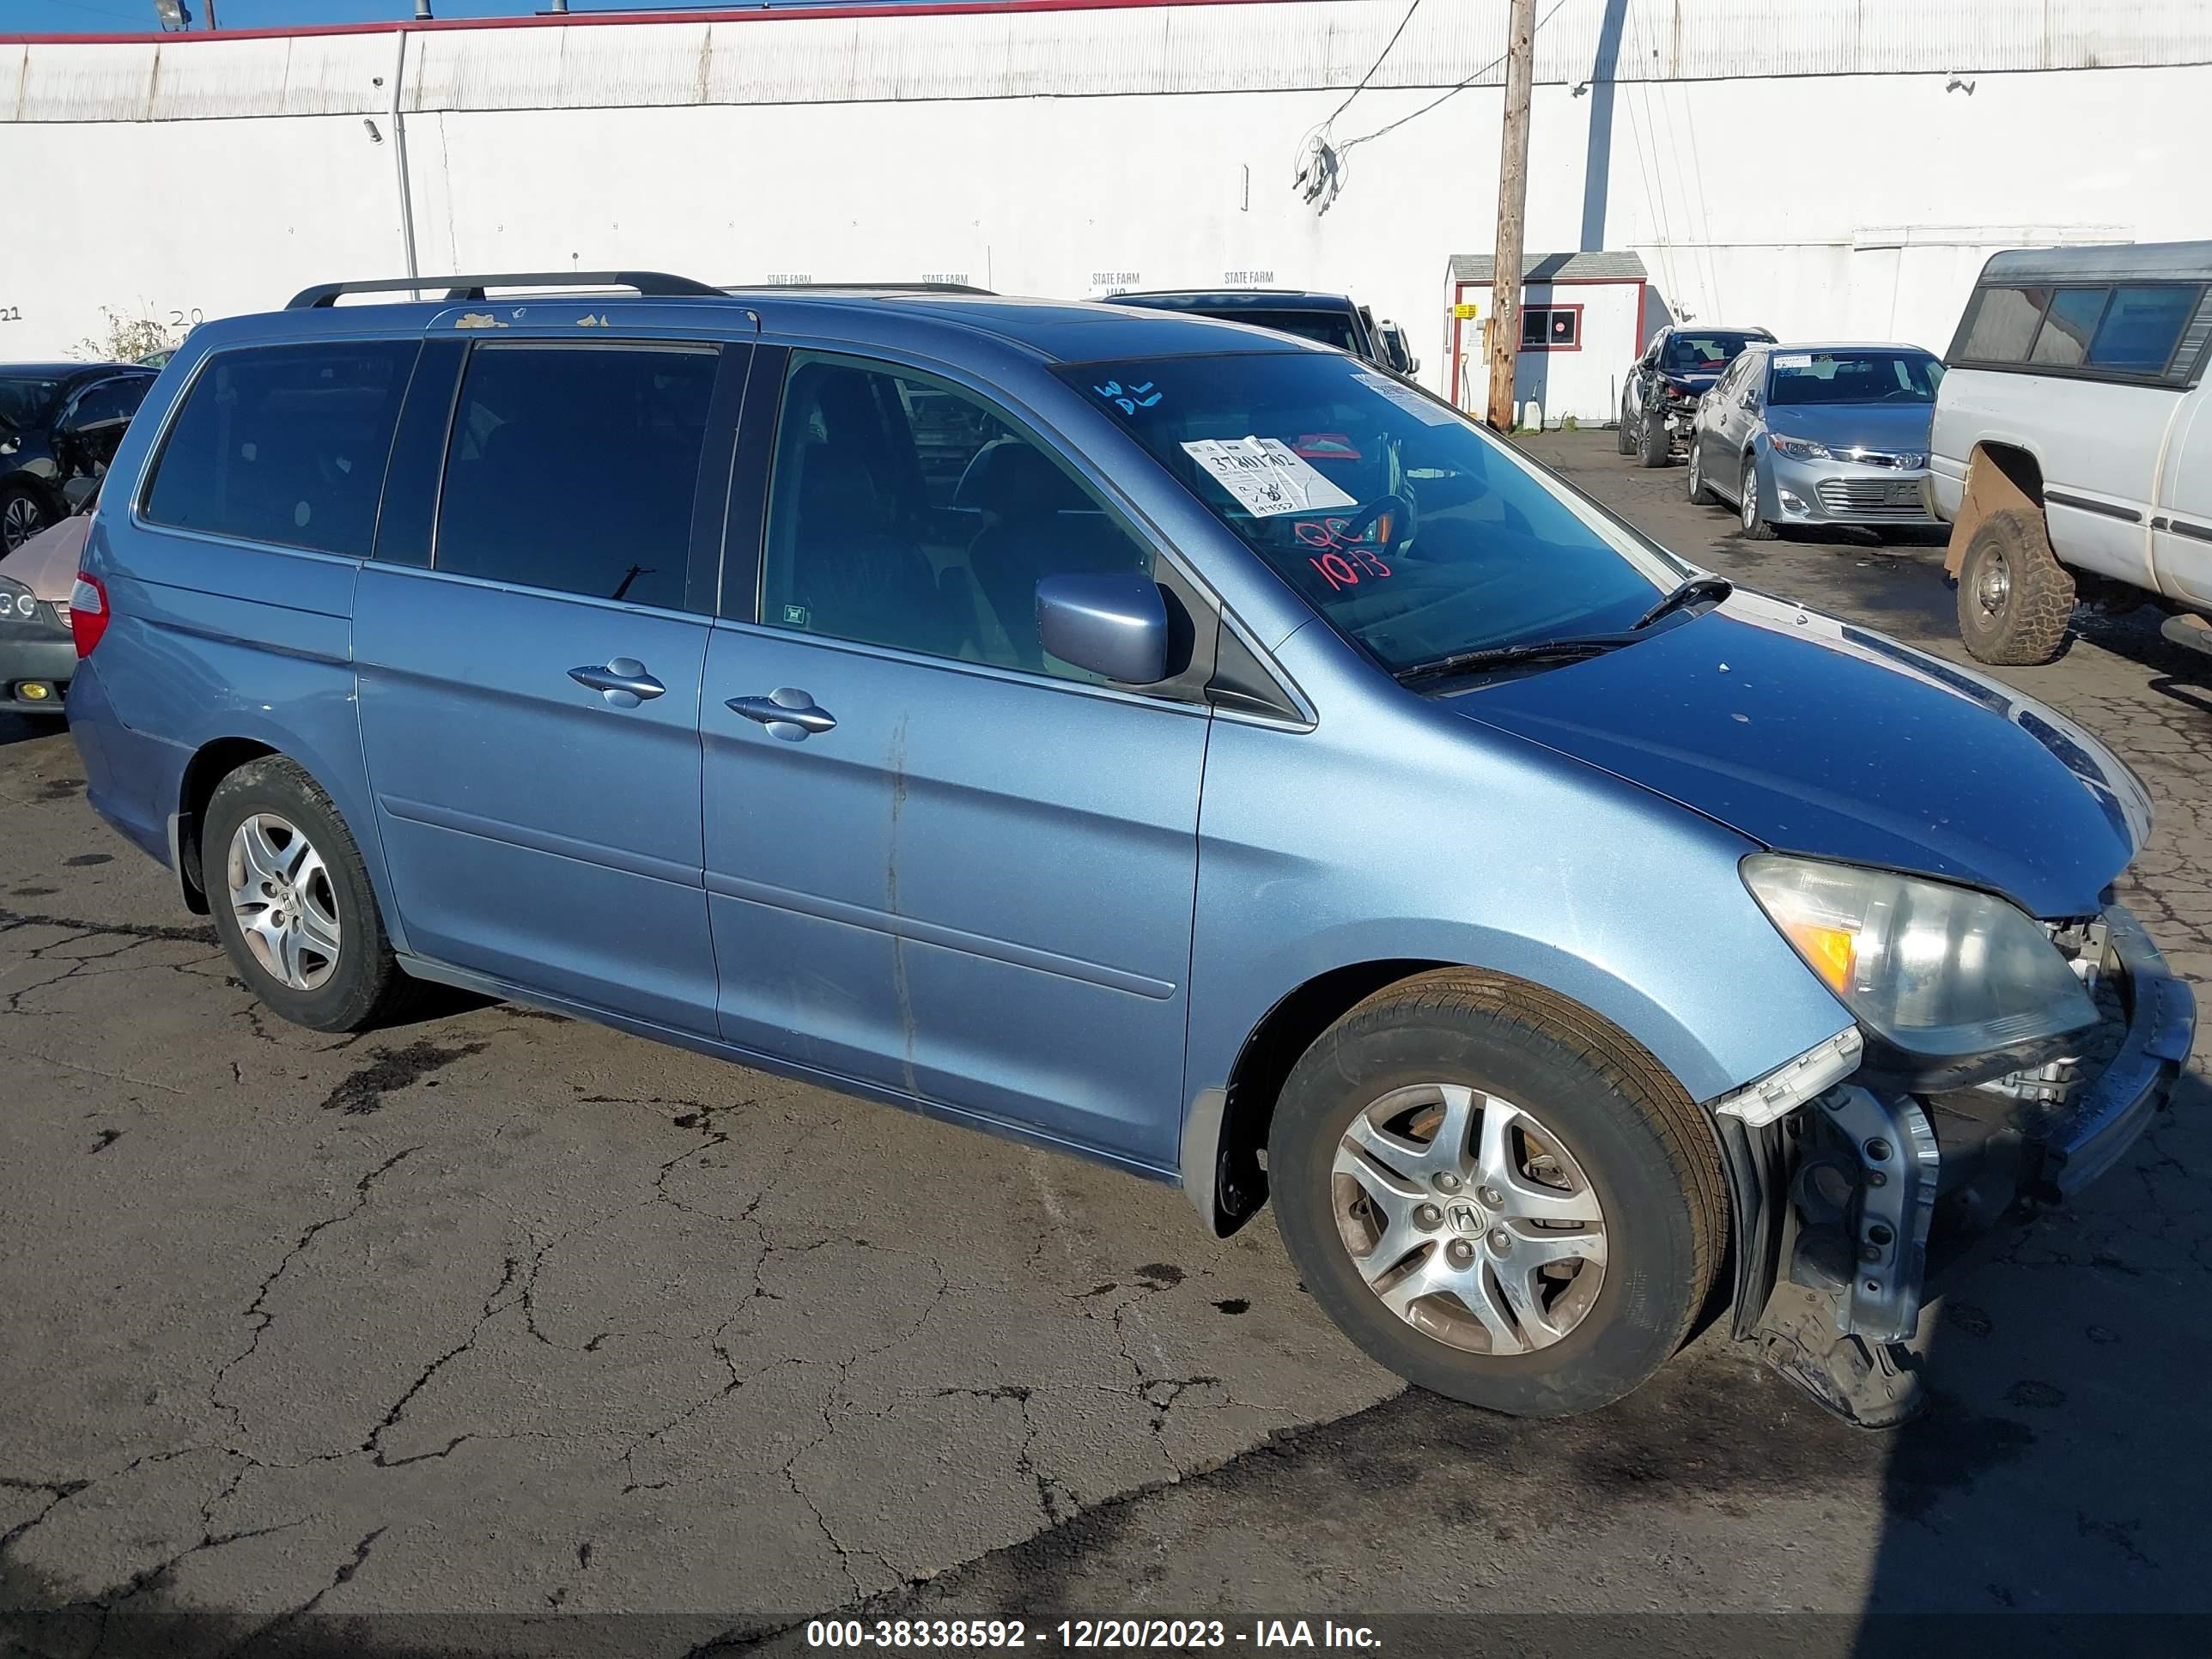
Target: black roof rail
{"points": [[652, 284], [860, 288]]}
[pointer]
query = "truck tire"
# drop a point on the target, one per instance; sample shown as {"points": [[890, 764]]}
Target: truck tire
{"points": [[1655, 444], [1496, 1195], [2015, 599]]}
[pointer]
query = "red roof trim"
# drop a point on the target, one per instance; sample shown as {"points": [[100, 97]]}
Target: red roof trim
{"points": [[588, 18]]}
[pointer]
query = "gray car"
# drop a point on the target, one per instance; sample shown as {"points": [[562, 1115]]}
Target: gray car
{"points": [[1805, 434]]}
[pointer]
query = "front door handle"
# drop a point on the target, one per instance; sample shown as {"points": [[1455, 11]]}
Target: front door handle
{"points": [[624, 682], [787, 712]]}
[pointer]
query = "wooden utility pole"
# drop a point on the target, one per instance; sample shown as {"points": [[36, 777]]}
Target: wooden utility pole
{"points": [[1512, 202]]}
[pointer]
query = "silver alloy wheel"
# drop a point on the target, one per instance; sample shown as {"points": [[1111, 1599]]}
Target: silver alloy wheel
{"points": [[1995, 588], [18, 521], [281, 896], [1696, 468], [1468, 1218], [1749, 505]]}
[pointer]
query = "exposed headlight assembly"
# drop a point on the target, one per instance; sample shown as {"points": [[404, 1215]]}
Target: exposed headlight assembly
{"points": [[1938, 972]]}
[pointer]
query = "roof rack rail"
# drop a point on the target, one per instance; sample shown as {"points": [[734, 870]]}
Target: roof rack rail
{"points": [[861, 288], [654, 284]]}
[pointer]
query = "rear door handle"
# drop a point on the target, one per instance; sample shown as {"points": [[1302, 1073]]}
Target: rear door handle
{"points": [[787, 712], [624, 682]]}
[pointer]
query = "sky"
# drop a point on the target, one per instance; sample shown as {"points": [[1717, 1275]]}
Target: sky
{"points": [[135, 16]]}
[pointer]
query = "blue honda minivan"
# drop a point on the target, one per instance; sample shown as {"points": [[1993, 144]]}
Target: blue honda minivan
{"points": [[1150, 737]]}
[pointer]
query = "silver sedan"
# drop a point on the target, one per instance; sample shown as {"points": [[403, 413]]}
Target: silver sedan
{"points": [[1806, 435]]}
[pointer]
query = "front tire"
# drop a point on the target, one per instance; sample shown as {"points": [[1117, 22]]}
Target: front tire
{"points": [[1754, 524], [1655, 444], [292, 902], [1496, 1195], [1623, 436], [2015, 599]]}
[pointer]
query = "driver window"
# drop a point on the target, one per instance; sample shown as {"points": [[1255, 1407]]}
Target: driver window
{"points": [[906, 512]]}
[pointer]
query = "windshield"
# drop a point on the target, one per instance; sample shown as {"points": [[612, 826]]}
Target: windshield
{"points": [[1415, 532], [1702, 353], [1852, 377], [23, 400], [1327, 328]]}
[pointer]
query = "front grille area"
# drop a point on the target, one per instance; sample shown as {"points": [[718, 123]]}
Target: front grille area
{"points": [[1872, 498]]}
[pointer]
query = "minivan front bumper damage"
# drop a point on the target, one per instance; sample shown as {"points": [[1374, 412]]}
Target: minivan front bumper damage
{"points": [[1853, 1206]]}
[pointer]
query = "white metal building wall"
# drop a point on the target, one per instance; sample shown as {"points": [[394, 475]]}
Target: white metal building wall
{"points": [[1832, 167]]}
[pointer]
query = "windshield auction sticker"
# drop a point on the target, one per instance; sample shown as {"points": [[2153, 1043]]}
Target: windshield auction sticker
{"points": [[1265, 476]]}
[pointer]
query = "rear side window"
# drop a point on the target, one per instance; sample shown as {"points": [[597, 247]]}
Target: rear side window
{"points": [[2067, 326], [573, 468], [2128, 332], [2004, 324], [285, 445]]}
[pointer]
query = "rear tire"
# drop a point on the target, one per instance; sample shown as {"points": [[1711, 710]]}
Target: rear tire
{"points": [[1655, 444], [1701, 494], [2015, 599], [23, 514], [292, 903], [1590, 1127], [1623, 435]]}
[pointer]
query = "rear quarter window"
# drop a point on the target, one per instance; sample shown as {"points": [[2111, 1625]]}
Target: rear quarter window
{"points": [[285, 445]]}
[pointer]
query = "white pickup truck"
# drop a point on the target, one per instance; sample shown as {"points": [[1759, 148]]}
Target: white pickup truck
{"points": [[2072, 445]]}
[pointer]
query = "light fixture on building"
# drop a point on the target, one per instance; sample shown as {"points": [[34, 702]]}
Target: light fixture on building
{"points": [[171, 13]]}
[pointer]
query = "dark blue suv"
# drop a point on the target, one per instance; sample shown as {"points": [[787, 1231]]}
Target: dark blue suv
{"points": [[1151, 737]]}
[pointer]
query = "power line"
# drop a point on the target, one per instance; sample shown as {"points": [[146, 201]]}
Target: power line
{"points": [[1376, 64], [1451, 92]]}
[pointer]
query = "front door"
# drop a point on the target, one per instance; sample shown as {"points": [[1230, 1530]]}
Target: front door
{"points": [[530, 701], [940, 861]]}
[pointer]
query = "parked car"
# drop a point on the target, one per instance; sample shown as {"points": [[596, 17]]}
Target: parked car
{"points": [[1333, 320], [1358, 816], [2073, 443], [37, 652], [1659, 402], [1394, 351], [1826, 435], [59, 423]]}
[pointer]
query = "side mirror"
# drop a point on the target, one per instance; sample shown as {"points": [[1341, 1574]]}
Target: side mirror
{"points": [[1115, 625]]}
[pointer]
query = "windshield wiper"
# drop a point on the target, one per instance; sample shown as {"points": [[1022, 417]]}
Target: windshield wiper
{"points": [[1501, 656], [1715, 588]]}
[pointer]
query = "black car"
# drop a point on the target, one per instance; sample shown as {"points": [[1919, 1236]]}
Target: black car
{"points": [[1660, 404], [59, 424], [1334, 320]]}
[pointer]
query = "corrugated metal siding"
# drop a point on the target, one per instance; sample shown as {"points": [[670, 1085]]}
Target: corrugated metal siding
{"points": [[143, 81], [1292, 45]]}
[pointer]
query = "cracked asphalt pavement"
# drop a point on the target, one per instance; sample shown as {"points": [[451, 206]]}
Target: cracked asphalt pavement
{"points": [[314, 1344]]}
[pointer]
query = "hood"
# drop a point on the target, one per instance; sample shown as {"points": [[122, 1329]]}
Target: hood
{"points": [[47, 564], [1699, 380], [1889, 426], [1814, 737]]}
